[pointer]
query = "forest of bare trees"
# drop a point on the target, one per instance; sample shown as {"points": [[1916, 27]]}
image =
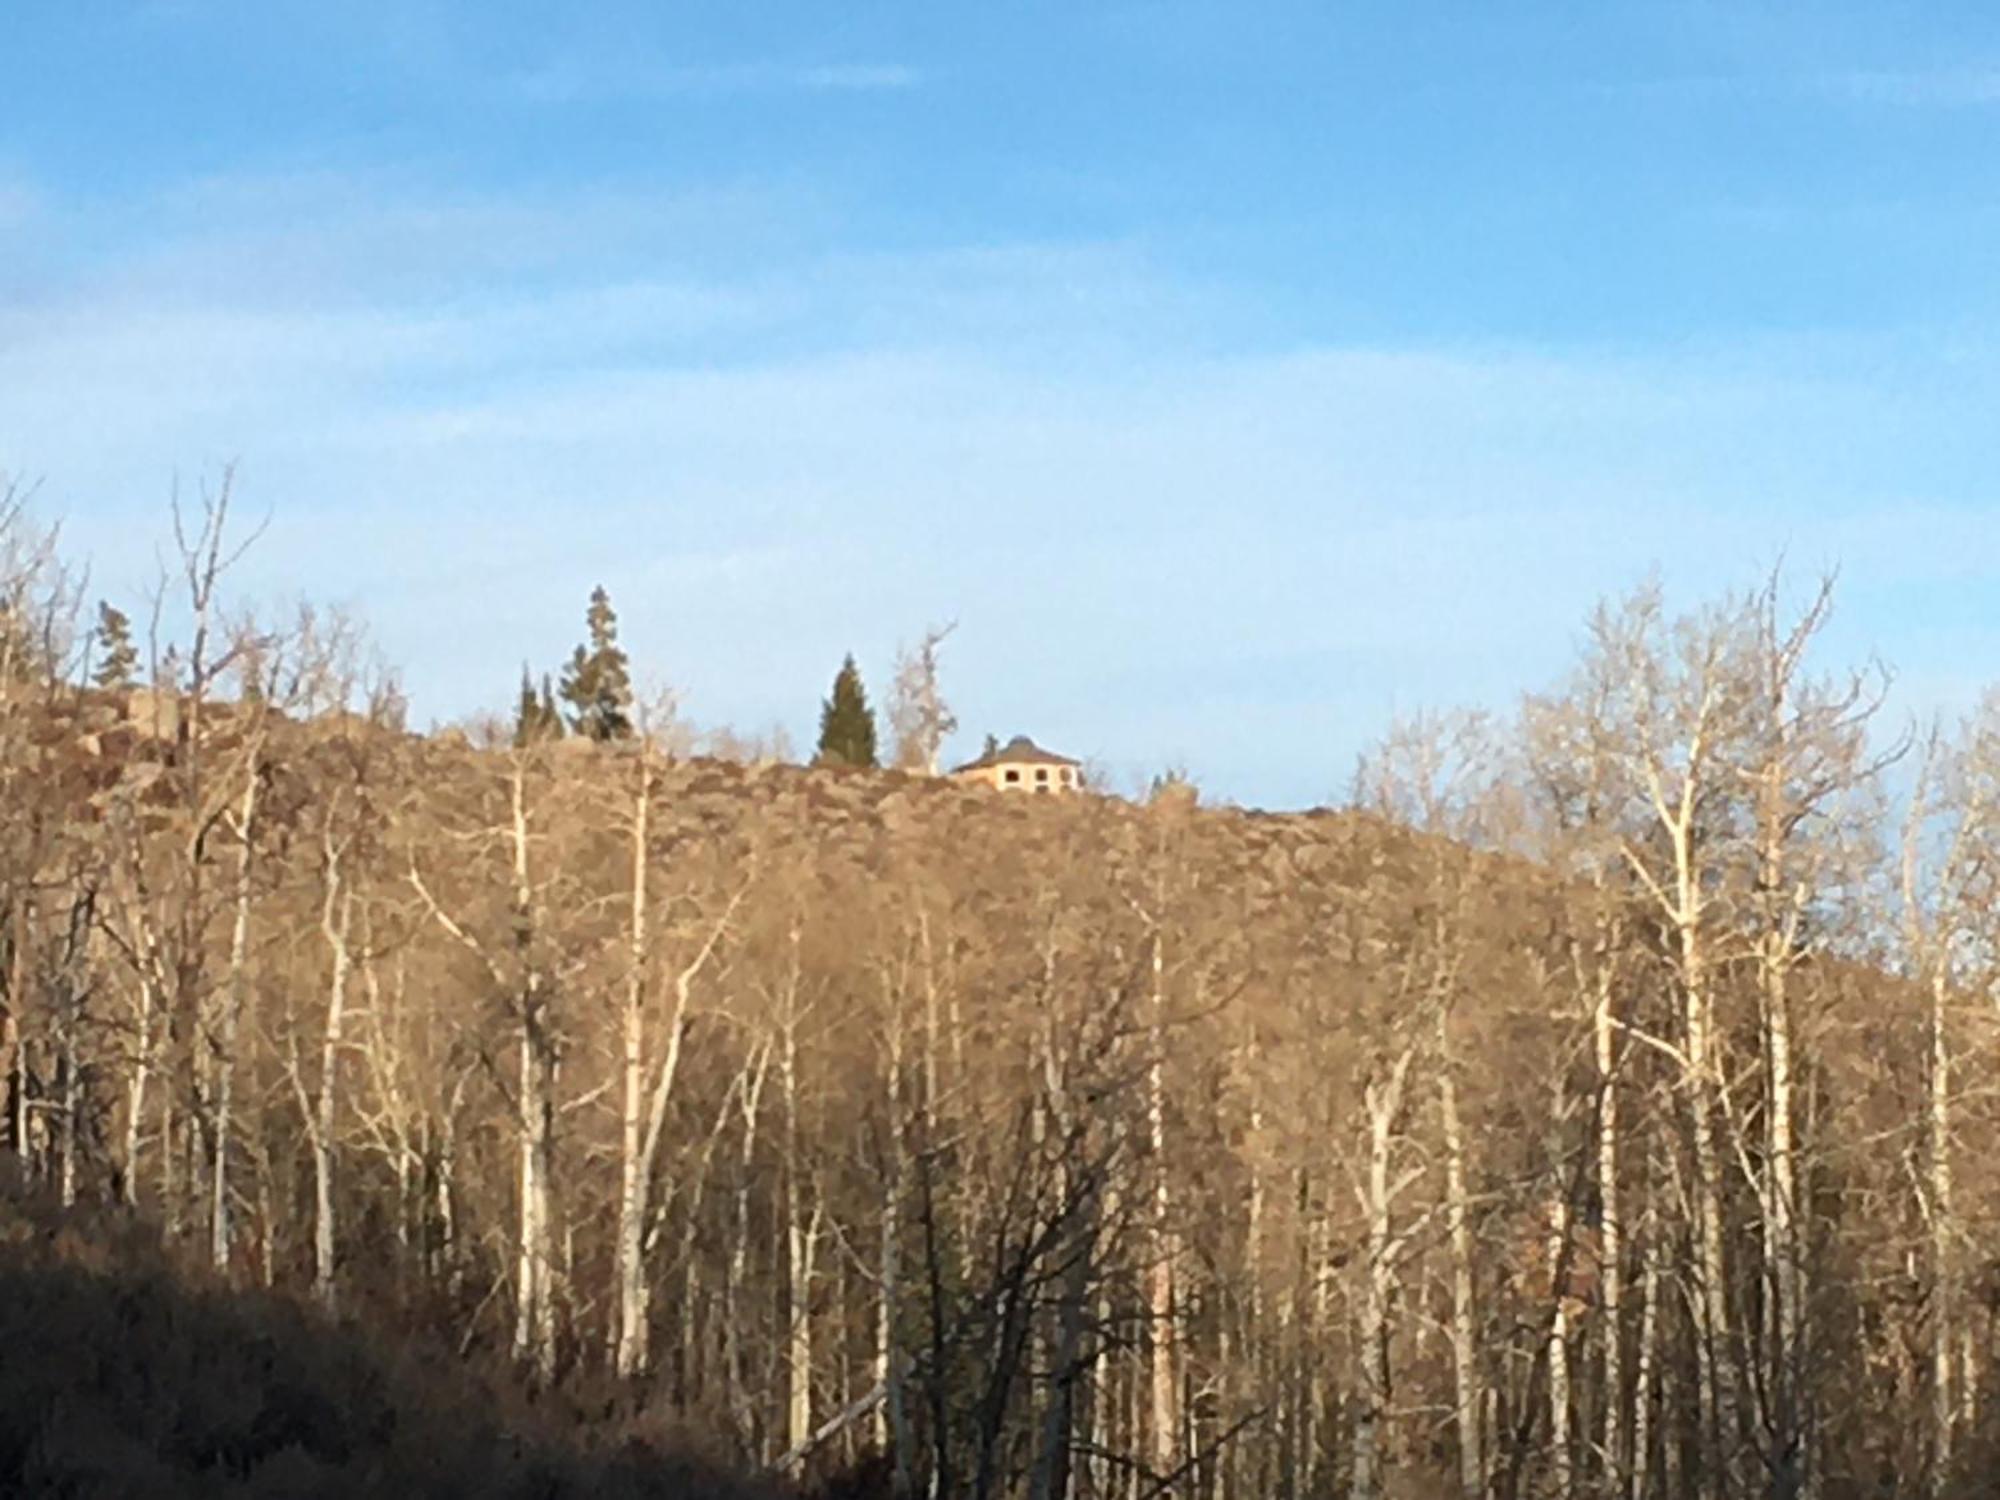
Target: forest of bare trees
{"points": [[1599, 1104]]}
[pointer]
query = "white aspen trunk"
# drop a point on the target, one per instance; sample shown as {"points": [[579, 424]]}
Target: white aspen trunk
{"points": [[135, 1091], [1559, 1384], [530, 1256], [1164, 1445], [1928, 940], [24, 1149], [892, 1430], [534, 1309], [13, 1046], [225, 1044], [68, 1103], [1468, 1396], [1648, 1360], [1791, 1441], [335, 928], [1611, 1269], [801, 1242], [749, 1103], [1712, 1365], [800, 1237], [447, 1216], [1383, 1100], [1968, 1376], [1944, 1300], [1253, 1338], [634, 1313], [1103, 1422], [642, 1145], [170, 1202], [1715, 1384], [1069, 1368], [267, 1224]]}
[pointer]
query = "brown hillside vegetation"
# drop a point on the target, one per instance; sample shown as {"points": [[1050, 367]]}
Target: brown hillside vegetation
{"points": [[1597, 1106], [124, 1376]]}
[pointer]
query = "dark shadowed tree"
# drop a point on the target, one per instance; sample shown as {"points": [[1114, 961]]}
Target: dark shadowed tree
{"points": [[536, 717], [118, 659], [597, 683], [846, 724]]}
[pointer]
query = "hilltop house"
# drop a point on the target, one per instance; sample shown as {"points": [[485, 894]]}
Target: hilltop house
{"points": [[1021, 765]]}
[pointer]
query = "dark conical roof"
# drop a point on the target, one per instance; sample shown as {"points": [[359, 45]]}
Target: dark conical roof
{"points": [[1019, 751]]}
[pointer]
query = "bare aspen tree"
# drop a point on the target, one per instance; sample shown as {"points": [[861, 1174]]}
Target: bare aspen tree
{"points": [[633, 1322], [1577, 791], [1611, 1226], [1807, 764], [1439, 774], [1948, 831], [1671, 701], [1065, 1149], [223, 797], [1163, 1401], [1468, 1393], [749, 1095], [534, 1328], [336, 925], [241, 821], [519, 970], [652, 1054], [1560, 1397], [1381, 1186], [919, 717], [893, 1428], [801, 1232], [1646, 1358]]}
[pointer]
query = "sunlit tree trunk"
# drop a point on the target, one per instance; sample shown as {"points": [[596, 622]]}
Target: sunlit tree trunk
{"points": [[1944, 1310], [1468, 1393], [1383, 1100], [1648, 1362], [1163, 1397], [136, 1085], [535, 1262], [223, 1045], [633, 1318], [1611, 1263], [335, 916], [1560, 1462]]}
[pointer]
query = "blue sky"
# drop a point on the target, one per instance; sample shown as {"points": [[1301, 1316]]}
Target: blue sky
{"points": [[1237, 375]]}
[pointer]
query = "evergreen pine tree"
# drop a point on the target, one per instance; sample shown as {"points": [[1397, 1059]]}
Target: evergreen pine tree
{"points": [[114, 639], [597, 683], [535, 716], [846, 725], [524, 710], [552, 719]]}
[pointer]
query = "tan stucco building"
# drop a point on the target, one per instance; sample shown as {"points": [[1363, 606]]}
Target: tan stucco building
{"points": [[1021, 765]]}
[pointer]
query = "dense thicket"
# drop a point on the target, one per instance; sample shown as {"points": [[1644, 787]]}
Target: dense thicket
{"points": [[1597, 1106], [126, 1376]]}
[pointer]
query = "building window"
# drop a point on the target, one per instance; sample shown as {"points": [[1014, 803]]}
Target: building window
{"points": [[1042, 774], [1069, 776], [1010, 775]]}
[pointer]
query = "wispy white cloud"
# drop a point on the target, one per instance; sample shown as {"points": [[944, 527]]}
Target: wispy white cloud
{"points": [[770, 464], [579, 80]]}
